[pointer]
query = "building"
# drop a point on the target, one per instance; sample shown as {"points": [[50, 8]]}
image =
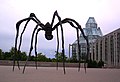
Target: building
{"points": [[107, 49], [92, 31]]}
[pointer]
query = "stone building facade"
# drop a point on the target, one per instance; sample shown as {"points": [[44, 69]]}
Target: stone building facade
{"points": [[107, 49]]}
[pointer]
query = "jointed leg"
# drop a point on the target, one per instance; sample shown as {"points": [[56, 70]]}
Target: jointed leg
{"points": [[17, 34], [36, 46], [60, 23], [31, 17], [22, 35], [18, 51], [31, 47], [14, 57], [68, 20], [57, 46], [63, 50]]}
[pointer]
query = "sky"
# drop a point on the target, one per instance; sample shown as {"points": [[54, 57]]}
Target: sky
{"points": [[105, 12]]}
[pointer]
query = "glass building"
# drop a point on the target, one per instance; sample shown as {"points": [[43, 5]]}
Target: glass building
{"points": [[92, 31]]}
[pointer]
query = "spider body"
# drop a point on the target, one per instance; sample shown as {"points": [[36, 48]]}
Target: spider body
{"points": [[48, 31], [48, 28]]}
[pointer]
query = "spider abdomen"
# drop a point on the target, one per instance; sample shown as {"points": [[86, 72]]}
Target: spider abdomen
{"points": [[48, 31]]}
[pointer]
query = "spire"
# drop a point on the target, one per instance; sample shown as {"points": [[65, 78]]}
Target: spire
{"points": [[91, 23], [91, 20]]}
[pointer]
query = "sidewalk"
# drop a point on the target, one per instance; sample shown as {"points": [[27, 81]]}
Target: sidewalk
{"points": [[50, 74]]}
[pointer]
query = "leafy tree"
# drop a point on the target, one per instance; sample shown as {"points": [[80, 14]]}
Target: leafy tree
{"points": [[53, 59], [42, 57], [59, 56], [100, 64], [74, 58], [20, 55], [23, 56], [32, 58], [92, 64], [0, 54], [7, 56]]}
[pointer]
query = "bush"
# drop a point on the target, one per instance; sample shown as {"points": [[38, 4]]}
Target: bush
{"points": [[100, 64], [92, 64]]}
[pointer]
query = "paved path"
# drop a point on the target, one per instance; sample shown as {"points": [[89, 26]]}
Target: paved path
{"points": [[50, 74]]}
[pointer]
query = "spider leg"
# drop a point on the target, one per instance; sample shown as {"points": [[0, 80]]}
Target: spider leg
{"points": [[63, 50], [85, 37], [14, 57], [57, 38], [78, 43], [31, 17], [68, 20], [60, 23], [31, 47], [57, 46], [36, 46], [21, 39], [22, 34], [17, 34]]}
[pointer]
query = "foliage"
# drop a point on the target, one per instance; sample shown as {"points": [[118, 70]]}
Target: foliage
{"points": [[22, 56], [60, 56], [100, 64], [9, 55], [94, 64], [74, 58], [0, 54], [42, 57]]}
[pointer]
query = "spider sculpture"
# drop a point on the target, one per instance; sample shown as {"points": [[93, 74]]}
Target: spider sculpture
{"points": [[48, 28]]}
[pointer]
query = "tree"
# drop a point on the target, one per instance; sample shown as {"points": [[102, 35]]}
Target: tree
{"points": [[0, 54], [74, 58], [42, 57], [7, 56], [59, 56], [21, 56], [100, 64], [92, 64], [12, 51]]}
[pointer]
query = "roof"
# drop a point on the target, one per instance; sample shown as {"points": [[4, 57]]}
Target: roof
{"points": [[91, 20]]}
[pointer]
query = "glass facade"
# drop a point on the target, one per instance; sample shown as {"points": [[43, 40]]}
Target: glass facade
{"points": [[92, 32]]}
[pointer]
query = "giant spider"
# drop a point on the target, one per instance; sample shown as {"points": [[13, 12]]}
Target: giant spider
{"points": [[48, 28]]}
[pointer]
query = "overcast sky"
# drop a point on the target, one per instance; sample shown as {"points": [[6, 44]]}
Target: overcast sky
{"points": [[106, 13]]}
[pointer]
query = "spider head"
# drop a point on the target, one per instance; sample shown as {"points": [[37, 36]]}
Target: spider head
{"points": [[48, 31]]}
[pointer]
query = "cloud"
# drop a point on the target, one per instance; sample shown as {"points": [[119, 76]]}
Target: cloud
{"points": [[106, 13]]}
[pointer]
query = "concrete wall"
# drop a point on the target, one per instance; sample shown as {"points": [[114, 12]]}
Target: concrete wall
{"points": [[40, 64]]}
